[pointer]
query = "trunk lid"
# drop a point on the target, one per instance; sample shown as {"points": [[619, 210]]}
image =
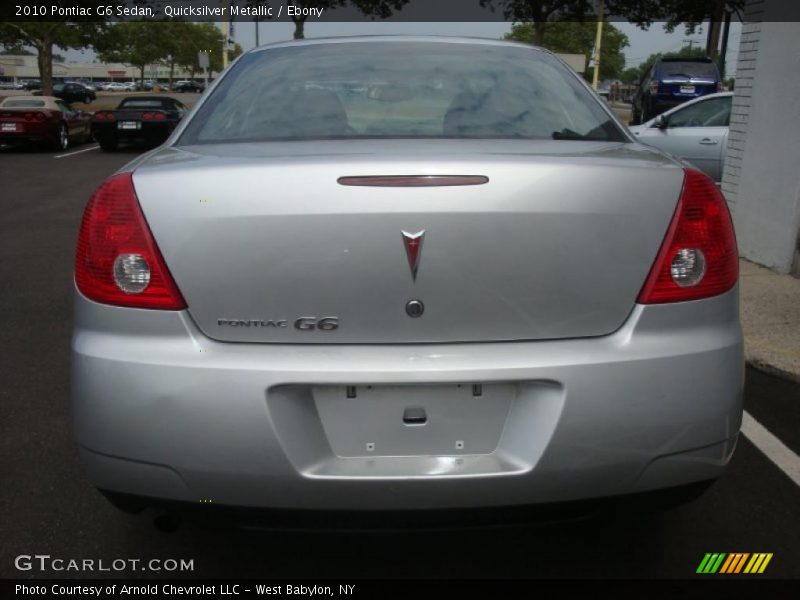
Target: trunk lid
{"points": [[557, 243]]}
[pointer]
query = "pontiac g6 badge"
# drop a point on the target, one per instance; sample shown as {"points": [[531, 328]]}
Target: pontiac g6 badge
{"points": [[413, 245]]}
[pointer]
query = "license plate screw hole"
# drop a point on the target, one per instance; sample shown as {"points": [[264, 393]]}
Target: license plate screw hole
{"points": [[460, 445], [370, 446]]}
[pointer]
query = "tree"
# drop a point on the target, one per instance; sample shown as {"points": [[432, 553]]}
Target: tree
{"points": [[44, 35], [542, 13], [136, 43], [578, 37], [630, 76], [640, 12], [381, 9]]}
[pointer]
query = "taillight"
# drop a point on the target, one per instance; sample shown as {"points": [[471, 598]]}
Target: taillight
{"points": [[159, 116], [698, 257], [39, 117], [104, 115], [653, 86], [147, 116], [117, 260], [28, 116]]}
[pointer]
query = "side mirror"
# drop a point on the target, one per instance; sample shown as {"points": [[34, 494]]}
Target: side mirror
{"points": [[662, 122]]}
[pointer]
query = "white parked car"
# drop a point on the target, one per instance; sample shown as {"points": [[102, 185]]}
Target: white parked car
{"points": [[114, 86], [696, 131]]}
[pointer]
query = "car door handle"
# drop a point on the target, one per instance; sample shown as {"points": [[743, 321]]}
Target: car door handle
{"points": [[709, 142]]}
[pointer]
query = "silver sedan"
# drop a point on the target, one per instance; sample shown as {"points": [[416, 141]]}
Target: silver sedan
{"points": [[696, 132], [404, 273]]}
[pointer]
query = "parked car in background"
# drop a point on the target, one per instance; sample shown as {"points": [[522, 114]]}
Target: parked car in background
{"points": [[187, 86], [471, 289], [72, 92], [696, 132], [44, 120], [115, 86], [145, 119], [673, 81], [31, 84]]}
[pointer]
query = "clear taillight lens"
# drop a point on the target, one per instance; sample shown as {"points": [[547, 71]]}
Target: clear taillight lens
{"points": [[117, 260], [698, 257]]}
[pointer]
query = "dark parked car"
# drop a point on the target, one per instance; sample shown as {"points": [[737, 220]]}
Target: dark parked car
{"points": [[42, 120], [187, 86], [144, 119], [72, 92], [32, 84], [673, 81]]}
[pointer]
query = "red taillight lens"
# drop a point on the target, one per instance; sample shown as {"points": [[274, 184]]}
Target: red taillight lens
{"points": [[147, 116], [40, 117], [698, 257], [117, 260], [28, 116], [653, 86], [159, 116]]}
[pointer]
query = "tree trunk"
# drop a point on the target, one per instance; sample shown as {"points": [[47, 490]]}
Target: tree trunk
{"points": [[45, 59], [714, 28], [171, 72], [141, 74], [299, 28], [539, 27]]}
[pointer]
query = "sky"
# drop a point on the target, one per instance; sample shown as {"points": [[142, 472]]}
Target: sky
{"points": [[642, 43]]}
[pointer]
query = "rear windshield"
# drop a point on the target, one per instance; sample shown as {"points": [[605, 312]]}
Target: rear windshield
{"points": [[399, 89], [142, 104], [688, 69], [23, 104]]}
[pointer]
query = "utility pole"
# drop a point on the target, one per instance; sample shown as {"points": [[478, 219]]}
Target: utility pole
{"points": [[597, 42], [226, 34]]}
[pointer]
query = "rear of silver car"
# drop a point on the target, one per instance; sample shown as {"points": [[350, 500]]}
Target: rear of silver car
{"points": [[387, 316]]}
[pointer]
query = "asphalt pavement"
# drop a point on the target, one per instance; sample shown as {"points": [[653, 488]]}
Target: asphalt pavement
{"points": [[49, 507]]}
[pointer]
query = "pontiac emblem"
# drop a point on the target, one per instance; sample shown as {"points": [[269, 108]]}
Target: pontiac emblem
{"points": [[413, 245]]}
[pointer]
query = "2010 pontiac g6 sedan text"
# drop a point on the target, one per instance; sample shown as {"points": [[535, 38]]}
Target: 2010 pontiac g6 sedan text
{"points": [[404, 273]]}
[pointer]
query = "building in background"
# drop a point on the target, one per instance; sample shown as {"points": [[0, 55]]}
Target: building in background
{"points": [[761, 179], [17, 67]]}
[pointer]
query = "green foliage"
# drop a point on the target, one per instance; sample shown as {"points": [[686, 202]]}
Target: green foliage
{"points": [[376, 9], [137, 43], [578, 38], [44, 35]]}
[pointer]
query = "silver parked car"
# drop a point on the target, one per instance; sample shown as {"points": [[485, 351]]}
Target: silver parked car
{"points": [[404, 273], [696, 132]]}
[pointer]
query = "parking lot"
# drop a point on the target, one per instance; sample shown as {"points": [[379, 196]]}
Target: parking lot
{"points": [[49, 507]]}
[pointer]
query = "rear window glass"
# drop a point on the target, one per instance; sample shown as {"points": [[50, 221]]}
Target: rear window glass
{"points": [[23, 104], [142, 104], [688, 69], [399, 89]]}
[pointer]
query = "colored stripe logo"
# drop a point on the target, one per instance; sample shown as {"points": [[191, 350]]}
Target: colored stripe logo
{"points": [[734, 563]]}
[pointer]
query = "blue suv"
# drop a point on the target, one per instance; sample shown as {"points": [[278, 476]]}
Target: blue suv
{"points": [[673, 81]]}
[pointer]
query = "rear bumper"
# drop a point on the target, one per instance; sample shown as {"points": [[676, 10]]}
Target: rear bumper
{"points": [[162, 411], [149, 132]]}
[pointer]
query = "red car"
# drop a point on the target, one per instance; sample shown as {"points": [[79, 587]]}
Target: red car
{"points": [[43, 120]]}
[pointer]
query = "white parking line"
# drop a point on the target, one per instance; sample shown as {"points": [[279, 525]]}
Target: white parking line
{"points": [[76, 152], [775, 450]]}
